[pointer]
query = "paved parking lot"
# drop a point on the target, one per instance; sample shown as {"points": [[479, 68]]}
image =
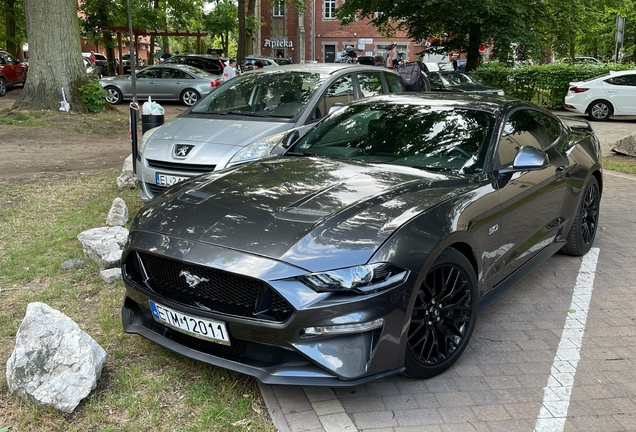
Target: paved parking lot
{"points": [[510, 378]]}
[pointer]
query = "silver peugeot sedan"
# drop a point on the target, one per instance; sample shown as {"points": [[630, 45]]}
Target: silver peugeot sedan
{"points": [[247, 118]]}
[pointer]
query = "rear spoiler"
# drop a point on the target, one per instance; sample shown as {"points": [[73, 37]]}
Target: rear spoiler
{"points": [[576, 123]]}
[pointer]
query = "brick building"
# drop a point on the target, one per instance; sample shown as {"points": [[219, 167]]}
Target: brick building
{"points": [[316, 34]]}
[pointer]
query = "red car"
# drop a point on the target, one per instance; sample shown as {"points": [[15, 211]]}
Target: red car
{"points": [[12, 72]]}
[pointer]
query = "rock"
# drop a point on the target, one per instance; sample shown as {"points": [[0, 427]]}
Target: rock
{"points": [[72, 263], [127, 178], [104, 245], [118, 214], [54, 362], [110, 275], [626, 145]]}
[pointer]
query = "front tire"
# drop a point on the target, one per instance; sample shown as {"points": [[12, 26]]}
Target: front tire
{"points": [[189, 97], [600, 110], [443, 316], [583, 232], [113, 95], [3, 87]]}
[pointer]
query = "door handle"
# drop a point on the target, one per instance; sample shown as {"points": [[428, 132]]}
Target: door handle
{"points": [[559, 170]]}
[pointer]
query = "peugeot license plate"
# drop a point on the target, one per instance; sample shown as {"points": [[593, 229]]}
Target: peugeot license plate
{"points": [[166, 180], [201, 328]]}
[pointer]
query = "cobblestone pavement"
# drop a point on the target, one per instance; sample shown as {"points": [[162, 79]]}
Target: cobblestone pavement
{"points": [[503, 380]]}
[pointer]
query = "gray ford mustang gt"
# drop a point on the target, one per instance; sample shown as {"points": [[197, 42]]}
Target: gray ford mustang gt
{"points": [[370, 246]]}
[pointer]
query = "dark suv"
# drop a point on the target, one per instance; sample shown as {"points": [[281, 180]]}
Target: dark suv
{"points": [[207, 62], [12, 72]]}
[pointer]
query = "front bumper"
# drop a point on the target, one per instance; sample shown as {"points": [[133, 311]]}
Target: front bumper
{"points": [[278, 351]]}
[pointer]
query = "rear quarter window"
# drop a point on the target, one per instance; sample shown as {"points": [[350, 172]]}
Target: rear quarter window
{"points": [[394, 83]]}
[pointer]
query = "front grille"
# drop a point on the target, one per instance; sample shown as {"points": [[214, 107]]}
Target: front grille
{"points": [[217, 291], [176, 166], [155, 189]]}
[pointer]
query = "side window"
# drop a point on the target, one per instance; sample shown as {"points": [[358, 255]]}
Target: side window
{"points": [[394, 83], [552, 127], [212, 67], [197, 63], [523, 128], [435, 78], [150, 73], [370, 83], [625, 80], [340, 92]]}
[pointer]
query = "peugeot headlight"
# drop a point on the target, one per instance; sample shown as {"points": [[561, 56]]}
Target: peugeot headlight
{"points": [[501, 93], [145, 138], [362, 278], [258, 149]]}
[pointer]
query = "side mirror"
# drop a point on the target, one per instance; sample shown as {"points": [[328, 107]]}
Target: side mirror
{"points": [[335, 107], [528, 158], [291, 138]]}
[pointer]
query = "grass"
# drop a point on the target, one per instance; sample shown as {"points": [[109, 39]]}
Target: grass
{"points": [[107, 124], [143, 386], [624, 164]]}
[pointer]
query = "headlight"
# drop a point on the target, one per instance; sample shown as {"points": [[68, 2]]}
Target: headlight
{"points": [[500, 93], [258, 149], [145, 138], [363, 278]]}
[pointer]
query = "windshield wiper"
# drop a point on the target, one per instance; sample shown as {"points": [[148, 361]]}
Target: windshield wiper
{"points": [[243, 113], [300, 154]]}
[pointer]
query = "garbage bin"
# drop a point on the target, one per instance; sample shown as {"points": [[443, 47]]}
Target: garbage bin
{"points": [[150, 121]]}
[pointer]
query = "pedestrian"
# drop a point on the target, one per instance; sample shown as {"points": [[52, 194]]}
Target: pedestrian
{"points": [[229, 72], [165, 55], [92, 57], [259, 64], [454, 63]]}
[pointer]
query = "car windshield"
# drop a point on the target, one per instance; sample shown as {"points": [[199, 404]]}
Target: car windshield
{"points": [[424, 137], [277, 94], [455, 78]]}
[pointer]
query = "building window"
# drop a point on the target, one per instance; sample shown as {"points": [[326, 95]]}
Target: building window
{"points": [[330, 9], [279, 8]]}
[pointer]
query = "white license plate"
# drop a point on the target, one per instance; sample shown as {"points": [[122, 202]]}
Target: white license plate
{"points": [[168, 180], [201, 328]]}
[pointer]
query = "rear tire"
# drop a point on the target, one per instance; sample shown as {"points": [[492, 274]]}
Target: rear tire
{"points": [[189, 97], [113, 95], [3, 87], [600, 110], [581, 236], [443, 316]]}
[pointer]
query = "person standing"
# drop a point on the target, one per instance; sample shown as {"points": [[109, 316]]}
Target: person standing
{"points": [[92, 57], [229, 72]]}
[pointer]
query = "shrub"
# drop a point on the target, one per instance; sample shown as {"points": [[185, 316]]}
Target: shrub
{"points": [[94, 96], [546, 85]]}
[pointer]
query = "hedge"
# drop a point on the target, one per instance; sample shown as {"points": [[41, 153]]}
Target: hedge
{"points": [[546, 85]]}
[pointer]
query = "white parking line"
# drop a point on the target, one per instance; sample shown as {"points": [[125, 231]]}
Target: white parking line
{"points": [[556, 395]]}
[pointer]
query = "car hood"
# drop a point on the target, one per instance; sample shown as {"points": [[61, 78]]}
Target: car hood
{"points": [[212, 137], [313, 213]]}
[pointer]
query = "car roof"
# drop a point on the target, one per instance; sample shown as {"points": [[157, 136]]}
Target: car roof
{"points": [[323, 68], [488, 103]]}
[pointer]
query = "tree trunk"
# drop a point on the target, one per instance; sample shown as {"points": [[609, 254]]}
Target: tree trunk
{"points": [[251, 7], [55, 59], [474, 41], [240, 52], [9, 29]]}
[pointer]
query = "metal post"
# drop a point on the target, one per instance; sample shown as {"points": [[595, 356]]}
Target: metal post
{"points": [[134, 106]]}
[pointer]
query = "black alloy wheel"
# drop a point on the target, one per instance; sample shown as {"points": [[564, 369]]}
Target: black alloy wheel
{"points": [[581, 236], [443, 317]]}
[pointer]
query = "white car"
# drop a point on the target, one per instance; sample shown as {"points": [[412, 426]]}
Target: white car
{"points": [[604, 96]]}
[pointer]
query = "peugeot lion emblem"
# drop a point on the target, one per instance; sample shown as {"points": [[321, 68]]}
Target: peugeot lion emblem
{"points": [[182, 150], [191, 279]]}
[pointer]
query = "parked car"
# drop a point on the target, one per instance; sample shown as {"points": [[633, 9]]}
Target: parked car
{"points": [[604, 96], [448, 66], [247, 116], [282, 61], [370, 246], [206, 62], [455, 81], [582, 60], [100, 61], [267, 61], [185, 84], [126, 63], [12, 72]]}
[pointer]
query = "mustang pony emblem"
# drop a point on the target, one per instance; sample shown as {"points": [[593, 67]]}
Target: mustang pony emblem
{"points": [[191, 279]]}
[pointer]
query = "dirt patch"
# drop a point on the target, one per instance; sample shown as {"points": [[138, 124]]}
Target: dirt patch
{"points": [[55, 144]]}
